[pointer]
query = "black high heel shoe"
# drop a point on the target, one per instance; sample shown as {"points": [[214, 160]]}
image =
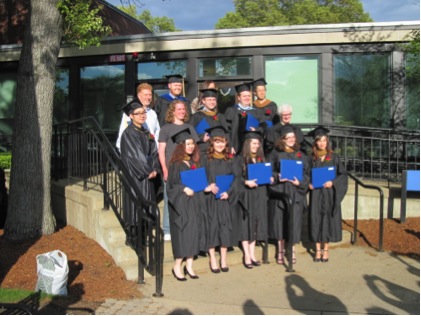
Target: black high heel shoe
{"points": [[247, 265], [178, 279], [256, 263], [315, 259], [223, 269], [214, 270], [323, 259], [192, 276]]}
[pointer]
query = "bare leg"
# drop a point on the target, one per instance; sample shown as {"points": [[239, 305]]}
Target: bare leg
{"points": [[224, 256], [281, 251], [246, 249], [318, 254], [177, 268], [212, 260], [189, 265], [252, 248], [325, 257]]}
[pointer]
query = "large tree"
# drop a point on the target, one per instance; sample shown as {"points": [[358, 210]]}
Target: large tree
{"points": [[254, 13], [29, 210], [158, 24]]}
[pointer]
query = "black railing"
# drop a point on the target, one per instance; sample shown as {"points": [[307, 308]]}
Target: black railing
{"points": [[82, 151], [374, 153], [358, 183]]}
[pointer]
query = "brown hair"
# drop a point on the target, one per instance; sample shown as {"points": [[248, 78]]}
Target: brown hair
{"points": [[314, 147], [280, 145], [180, 152], [246, 153], [169, 117], [211, 150]]}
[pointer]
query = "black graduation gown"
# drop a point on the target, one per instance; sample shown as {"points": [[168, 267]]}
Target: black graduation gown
{"points": [[215, 120], [252, 219], [162, 104], [237, 119], [325, 204], [221, 213], [278, 217], [139, 155], [268, 112], [187, 215]]}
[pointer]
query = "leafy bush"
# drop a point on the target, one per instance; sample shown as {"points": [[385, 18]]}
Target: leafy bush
{"points": [[5, 160]]}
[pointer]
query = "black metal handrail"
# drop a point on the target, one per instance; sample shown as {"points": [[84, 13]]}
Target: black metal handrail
{"points": [[358, 183], [374, 153], [82, 151]]}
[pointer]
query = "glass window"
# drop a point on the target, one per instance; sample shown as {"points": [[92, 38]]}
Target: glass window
{"points": [[102, 94], [362, 90], [8, 84], [61, 97], [412, 96], [224, 67], [294, 80], [159, 69]]}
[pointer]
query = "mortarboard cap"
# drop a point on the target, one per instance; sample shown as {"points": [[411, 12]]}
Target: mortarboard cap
{"points": [[218, 130], [259, 82], [174, 78], [285, 129], [318, 132], [182, 136], [243, 87], [253, 135], [131, 106], [209, 93]]}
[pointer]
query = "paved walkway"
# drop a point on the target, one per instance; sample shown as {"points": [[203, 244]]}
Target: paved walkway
{"points": [[356, 280]]}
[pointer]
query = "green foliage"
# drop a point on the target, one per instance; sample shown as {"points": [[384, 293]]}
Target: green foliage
{"points": [[17, 295], [155, 24], [82, 26], [5, 160], [255, 13]]}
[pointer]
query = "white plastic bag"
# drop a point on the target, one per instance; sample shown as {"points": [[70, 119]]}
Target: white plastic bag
{"points": [[52, 270]]}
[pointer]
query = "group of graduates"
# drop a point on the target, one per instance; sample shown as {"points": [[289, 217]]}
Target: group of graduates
{"points": [[215, 218]]}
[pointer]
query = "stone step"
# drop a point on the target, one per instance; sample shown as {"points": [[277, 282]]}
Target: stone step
{"points": [[108, 219]]}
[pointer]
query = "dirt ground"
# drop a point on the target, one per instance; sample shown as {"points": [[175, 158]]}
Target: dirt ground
{"points": [[94, 277]]}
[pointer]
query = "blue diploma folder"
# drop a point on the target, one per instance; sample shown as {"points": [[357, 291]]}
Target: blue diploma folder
{"points": [[291, 168], [320, 176], [202, 127], [251, 122], [194, 179], [223, 182], [260, 171]]}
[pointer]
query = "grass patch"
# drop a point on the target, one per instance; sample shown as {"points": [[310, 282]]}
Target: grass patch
{"points": [[17, 295], [5, 160]]}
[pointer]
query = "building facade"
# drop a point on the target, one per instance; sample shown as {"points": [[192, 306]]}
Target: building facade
{"points": [[341, 74]]}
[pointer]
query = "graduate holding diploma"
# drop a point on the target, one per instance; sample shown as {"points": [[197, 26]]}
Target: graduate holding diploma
{"points": [[221, 206], [252, 219], [186, 207], [325, 202], [287, 148]]}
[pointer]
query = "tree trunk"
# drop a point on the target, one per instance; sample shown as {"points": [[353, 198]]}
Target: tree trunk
{"points": [[29, 212]]}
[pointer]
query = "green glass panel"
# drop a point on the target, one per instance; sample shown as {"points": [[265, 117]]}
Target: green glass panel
{"points": [[412, 97], [294, 81], [102, 91], [157, 70], [362, 90], [225, 67]]}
